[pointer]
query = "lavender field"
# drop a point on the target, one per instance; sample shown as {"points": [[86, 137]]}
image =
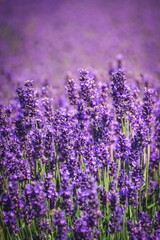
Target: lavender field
{"points": [[79, 140]]}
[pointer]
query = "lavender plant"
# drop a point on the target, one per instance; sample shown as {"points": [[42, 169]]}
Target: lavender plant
{"points": [[86, 170]]}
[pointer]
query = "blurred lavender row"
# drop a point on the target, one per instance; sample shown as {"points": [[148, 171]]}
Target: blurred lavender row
{"points": [[44, 39]]}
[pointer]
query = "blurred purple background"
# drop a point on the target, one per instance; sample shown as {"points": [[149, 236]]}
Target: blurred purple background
{"points": [[46, 38]]}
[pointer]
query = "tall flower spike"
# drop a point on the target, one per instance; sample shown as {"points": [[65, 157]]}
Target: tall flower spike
{"points": [[48, 111], [27, 99], [60, 224], [121, 95], [35, 204], [157, 127], [10, 207], [147, 108], [88, 90], [71, 89]]}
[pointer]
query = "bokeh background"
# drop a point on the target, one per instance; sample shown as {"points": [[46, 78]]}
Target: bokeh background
{"points": [[43, 39]]}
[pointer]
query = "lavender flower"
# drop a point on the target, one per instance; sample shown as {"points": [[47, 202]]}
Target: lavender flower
{"points": [[16, 168], [71, 90], [115, 221], [49, 189], [44, 226], [60, 224], [147, 107], [140, 230], [48, 111], [121, 96], [157, 126], [81, 229], [10, 201], [88, 89], [27, 99], [122, 149], [132, 194], [35, 204], [22, 128]]}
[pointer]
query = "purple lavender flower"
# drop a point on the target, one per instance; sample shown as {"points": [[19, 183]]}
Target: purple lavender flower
{"points": [[27, 99], [132, 194], [81, 114], [37, 143], [5, 131], [113, 200], [9, 219], [16, 168], [35, 204], [122, 148], [48, 145], [10, 201], [115, 221], [102, 155], [113, 169], [147, 108], [137, 176], [103, 196], [60, 224], [121, 96], [63, 124], [138, 142], [122, 179], [71, 90], [100, 119], [112, 185], [123, 195], [66, 192], [88, 89], [141, 229], [44, 226], [22, 128], [48, 111], [157, 126], [5, 121], [104, 93], [49, 189], [81, 229], [156, 225], [87, 199]]}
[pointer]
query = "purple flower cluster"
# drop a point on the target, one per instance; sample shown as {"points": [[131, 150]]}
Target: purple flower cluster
{"points": [[60, 224], [34, 201], [86, 170]]}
